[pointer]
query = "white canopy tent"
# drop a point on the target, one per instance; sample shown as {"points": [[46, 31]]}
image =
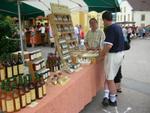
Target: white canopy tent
{"points": [[44, 5], [74, 5]]}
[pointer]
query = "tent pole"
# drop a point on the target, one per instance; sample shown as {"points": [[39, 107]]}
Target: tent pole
{"points": [[20, 30]]}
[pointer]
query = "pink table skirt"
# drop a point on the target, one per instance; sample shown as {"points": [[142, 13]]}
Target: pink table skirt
{"points": [[72, 97]]}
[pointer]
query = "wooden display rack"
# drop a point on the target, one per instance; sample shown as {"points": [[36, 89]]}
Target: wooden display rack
{"points": [[63, 31]]}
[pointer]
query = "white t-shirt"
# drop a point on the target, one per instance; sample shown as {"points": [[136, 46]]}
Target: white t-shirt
{"points": [[42, 29]]}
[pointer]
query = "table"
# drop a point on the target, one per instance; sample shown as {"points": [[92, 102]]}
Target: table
{"points": [[72, 97]]}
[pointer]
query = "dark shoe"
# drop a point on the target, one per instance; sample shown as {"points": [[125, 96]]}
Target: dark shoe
{"points": [[105, 102], [119, 90], [112, 103]]}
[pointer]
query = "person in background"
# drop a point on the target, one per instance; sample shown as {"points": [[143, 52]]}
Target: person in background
{"points": [[129, 32], [32, 36], [94, 37], [38, 25], [81, 37], [76, 33], [112, 56], [42, 30], [24, 39], [144, 32]]}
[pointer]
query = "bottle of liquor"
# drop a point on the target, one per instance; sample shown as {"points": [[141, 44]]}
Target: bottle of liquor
{"points": [[2, 72], [39, 90], [8, 69], [22, 92], [16, 97], [43, 85], [2, 97], [32, 89], [27, 91], [14, 66], [20, 65], [10, 108]]}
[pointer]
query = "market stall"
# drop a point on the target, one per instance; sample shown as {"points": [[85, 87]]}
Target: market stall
{"points": [[72, 97], [65, 83]]}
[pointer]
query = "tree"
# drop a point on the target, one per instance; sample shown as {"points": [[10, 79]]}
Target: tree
{"points": [[8, 29]]}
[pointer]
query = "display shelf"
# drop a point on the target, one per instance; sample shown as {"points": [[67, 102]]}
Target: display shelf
{"points": [[63, 29]]}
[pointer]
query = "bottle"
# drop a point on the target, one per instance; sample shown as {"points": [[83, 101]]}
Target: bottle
{"points": [[14, 67], [20, 65], [32, 89], [22, 93], [43, 85], [2, 97], [39, 91], [8, 69], [27, 91], [16, 97], [2, 72], [9, 100]]}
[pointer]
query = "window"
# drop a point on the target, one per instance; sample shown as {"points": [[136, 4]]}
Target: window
{"points": [[118, 17], [128, 17], [124, 18], [121, 18], [124, 9], [143, 17]]}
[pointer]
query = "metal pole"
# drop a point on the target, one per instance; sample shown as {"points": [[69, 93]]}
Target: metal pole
{"points": [[20, 30]]}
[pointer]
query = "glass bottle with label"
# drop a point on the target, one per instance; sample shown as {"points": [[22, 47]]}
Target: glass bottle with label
{"points": [[2, 97], [39, 90], [20, 65], [14, 66], [10, 108], [2, 72], [27, 91], [32, 89], [43, 85], [8, 69], [16, 97], [22, 93]]}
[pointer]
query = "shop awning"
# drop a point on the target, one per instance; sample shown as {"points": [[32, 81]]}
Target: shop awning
{"points": [[90, 5], [28, 8], [102, 5]]}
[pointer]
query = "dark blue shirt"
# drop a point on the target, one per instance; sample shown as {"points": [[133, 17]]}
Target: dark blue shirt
{"points": [[114, 36]]}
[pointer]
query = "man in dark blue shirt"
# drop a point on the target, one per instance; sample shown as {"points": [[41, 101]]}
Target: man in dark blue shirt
{"points": [[112, 55]]}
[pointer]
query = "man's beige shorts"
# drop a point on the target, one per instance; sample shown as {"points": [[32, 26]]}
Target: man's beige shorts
{"points": [[112, 63]]}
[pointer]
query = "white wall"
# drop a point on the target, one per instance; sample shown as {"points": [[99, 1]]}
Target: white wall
{"points": [[137, 17], [126, 12]]}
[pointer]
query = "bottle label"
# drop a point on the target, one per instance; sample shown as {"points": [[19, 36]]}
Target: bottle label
{"points": [[3, 105], [2, 74], [17, 103], [40, 92], [9, 72], [9, 105], [40, 54], [15, 72], [32, 57], [23, 100], [28, 98], [44, 89], [37, 67], [32, 93], [21, 69]]}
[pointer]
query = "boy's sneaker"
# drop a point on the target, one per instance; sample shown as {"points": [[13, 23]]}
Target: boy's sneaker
{"points": [[114, 104], [105, 102]]}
